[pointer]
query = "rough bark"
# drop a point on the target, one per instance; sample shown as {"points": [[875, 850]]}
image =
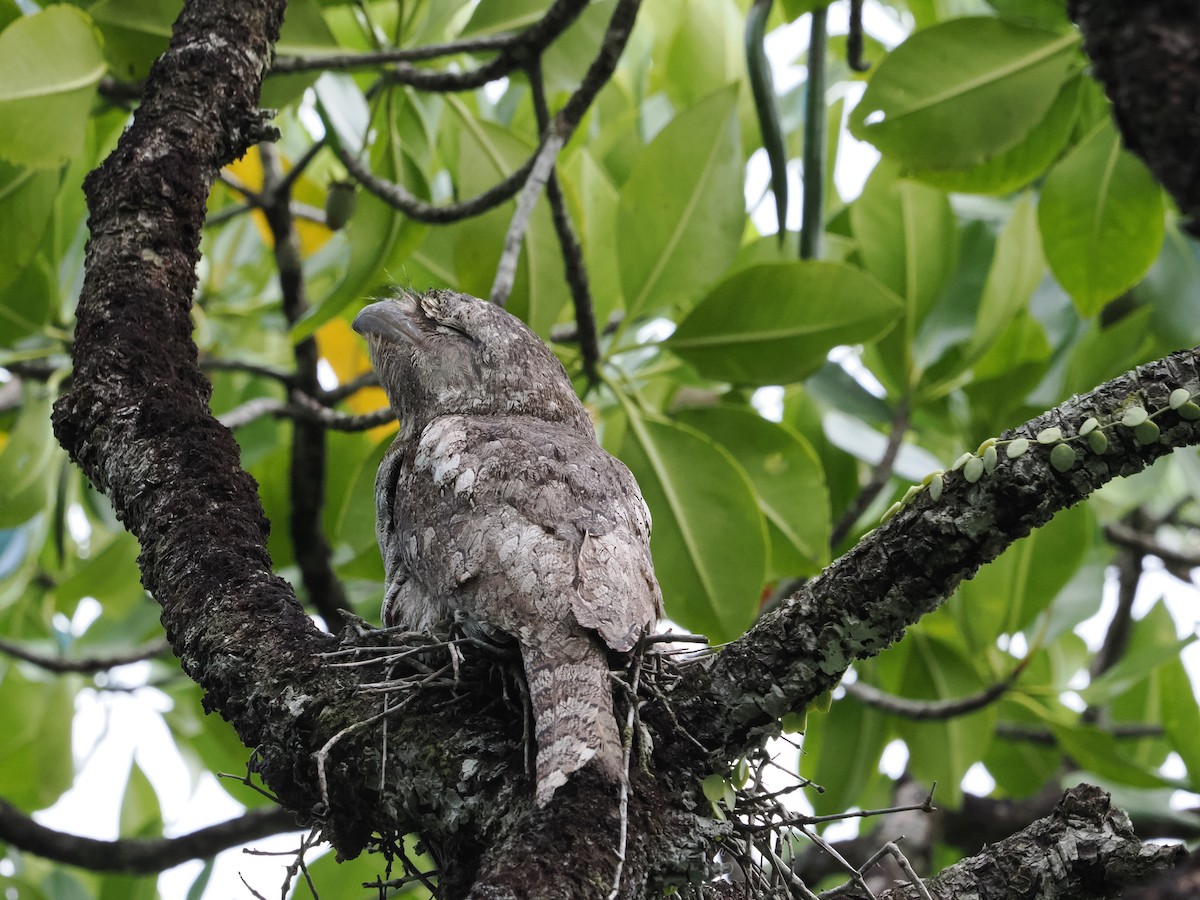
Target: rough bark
{"points": [[1147, 55], [136, 419]]}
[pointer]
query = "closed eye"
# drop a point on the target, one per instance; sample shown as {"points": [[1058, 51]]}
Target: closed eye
{"points": [[449, 328]]}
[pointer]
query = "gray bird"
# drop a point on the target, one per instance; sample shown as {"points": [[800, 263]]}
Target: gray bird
{"points": [[498, 508]]}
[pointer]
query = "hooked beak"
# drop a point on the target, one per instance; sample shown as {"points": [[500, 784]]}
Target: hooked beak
{"points": [[390, 319]]}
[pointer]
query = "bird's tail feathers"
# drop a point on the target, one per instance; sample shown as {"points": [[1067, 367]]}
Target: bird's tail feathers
{"points": [[571, 696]]}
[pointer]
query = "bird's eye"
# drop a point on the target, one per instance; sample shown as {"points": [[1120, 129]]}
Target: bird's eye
{"points": [[452, 328]]}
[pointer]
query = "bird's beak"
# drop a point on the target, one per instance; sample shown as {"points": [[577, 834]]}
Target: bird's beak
{"points": [[390, 319]]}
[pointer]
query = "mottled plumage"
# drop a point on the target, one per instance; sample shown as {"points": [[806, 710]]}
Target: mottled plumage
{"points": [[496, 506]]}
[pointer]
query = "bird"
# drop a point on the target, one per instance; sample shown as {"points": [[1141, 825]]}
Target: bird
{"points": [[498, 510]]}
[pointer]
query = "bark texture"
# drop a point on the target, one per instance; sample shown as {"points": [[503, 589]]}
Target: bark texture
{"points": [[136, 419], [1147, 55]]}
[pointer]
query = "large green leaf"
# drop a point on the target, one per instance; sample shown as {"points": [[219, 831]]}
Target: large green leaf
{"points": [[907, 237], [1101, 218], [1016, 271], [841, 753], [35, 742], [942, 751], [24, 485], [682, 211], [774, 323], [956, 94], [787, 478], [1020, 164], [487, 154], [26, 201], [50, 63], [378, 233], [709, 540]]}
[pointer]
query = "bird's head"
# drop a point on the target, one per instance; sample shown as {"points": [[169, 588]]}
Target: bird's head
{"points": [[444, 353]]}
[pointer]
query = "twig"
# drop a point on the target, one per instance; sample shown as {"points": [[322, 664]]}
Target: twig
{"points": [[1122, 535], [573, 263], [1046, 738], [879, 476], [422, 211], [307, 468], [216, 364], [307, 409], [626, 754], [85, 664], [287, 65], [926, 710], [543, 166]]}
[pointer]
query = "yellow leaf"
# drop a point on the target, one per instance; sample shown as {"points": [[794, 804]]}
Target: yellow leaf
{"points": [[249, 171]]}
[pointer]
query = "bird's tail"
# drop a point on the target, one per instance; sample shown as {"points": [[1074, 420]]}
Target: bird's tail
{"points": [[571, 696]]}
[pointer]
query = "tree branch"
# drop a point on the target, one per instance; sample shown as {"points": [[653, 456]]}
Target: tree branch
{"points": [[908, 566], [306, 475], [1086, 849], [85, 664], [138, 855]]}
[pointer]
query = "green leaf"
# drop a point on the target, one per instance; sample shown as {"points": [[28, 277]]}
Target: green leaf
{"points": [[35, 742], [27, 198], [943, 751], [1101, 218], [50, 63], [774, 323], [1134, 667], [1016, 271], [1172, 289], [496, 18], [1050, 13], [958, 93], [141, 815], [682, 211], [1181, 716], [787, 478], [135, 33], [487, 154], [598, 201], [907, 237], [1020, 164], [110, 576], [709, 540], [1096, 750], [841, 753], [24, 485]]}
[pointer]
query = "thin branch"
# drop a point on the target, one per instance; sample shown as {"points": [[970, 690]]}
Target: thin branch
{"points": [[543, 168], [306, 481], [879, 476], [288, 65], [415, 208], [84, 664], [216, 364], [342, 391], [1116, 638], [304, 408], [1122, 535], [908, 566], [926, 710], [137, 855], [573, 262], [1045, 737]]}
